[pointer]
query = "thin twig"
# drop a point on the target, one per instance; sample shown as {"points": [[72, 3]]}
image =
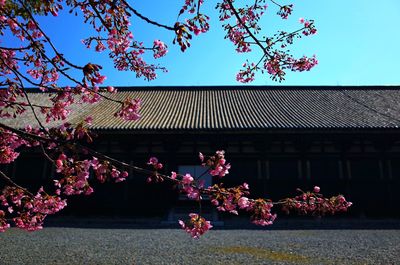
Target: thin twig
{"points": [[33, 110], [6, 178], [48, 39], [145, 18], [46, 155], [276, 3], [16, 49], [246, 28]]}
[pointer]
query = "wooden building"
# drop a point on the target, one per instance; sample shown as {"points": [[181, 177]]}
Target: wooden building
{"points": [[344, 139]]}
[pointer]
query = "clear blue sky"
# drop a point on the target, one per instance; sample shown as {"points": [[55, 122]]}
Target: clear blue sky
{"points": [[357, 44]]}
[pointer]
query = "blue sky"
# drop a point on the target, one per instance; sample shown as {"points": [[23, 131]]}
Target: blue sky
{"points": [[357, 44]]}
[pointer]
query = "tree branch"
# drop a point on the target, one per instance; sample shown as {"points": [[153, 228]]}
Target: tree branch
{"points": [[16, 49], [232, 8], [48, 39], [12, 183], [145, 18]]}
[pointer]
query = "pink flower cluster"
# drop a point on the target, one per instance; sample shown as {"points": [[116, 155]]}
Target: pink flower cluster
{"points": [[7, 155], [9, 97], [129, 110], [232, 199], [119, 41], [76, 175], [247, 19], [104, 170], [285, 11], [45, 204], [159, 48], [8, 61], [9, 142], [216, 163], [60, 101], [304, 64], [3, 223], [229, 199], [156, 165], [309, 28], [247, 75], [237, 36], [196, 225], [314, 203], [191, 6], [57, 112], [191, 188], [276, 65], [198, 24], [124, 51], [87, 95], [46, 76], [92, 74], [132, 61], [39, 65], [273, 66], [244, 31], [30, 211], [153, 161], [261, 212], [29, 222]]}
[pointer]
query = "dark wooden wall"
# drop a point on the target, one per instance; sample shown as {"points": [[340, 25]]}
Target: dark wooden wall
{"points": [[363, 166]]}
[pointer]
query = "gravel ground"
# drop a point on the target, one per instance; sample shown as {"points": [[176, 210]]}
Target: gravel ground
{"points": [[173, 246]]}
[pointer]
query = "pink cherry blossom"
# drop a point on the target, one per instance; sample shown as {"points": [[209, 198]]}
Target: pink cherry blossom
{"points": [[129, 110], [243, 202], [187, 179], [152, 161], [89, 120], [217, 164], [196, 226], [173, 175], [160, 49], [3, 223], [111, 89], [201, 157], [261, 212]]}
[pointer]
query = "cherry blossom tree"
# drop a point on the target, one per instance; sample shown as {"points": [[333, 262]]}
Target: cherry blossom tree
{"points": [[32, 60]]}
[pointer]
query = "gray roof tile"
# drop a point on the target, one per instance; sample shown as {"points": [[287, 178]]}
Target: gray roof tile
{"points": [[242, 108]]}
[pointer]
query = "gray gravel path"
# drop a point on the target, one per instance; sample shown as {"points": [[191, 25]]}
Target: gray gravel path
{"points": [[173, 246]]}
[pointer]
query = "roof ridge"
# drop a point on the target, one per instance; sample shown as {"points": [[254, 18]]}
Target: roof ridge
{"points": [[247, 87]]}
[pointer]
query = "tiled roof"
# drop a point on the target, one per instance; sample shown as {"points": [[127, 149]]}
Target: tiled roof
{"points": [[244, 108]]}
